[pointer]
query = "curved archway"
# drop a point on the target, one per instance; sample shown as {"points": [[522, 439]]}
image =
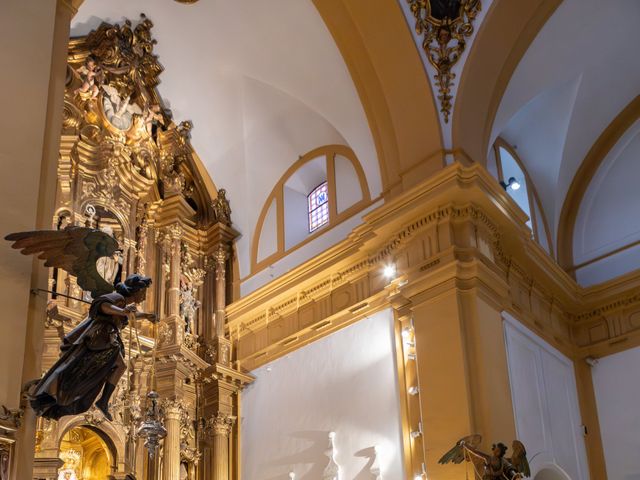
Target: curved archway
{"points": [[274, 213], [393, 86], [502, 40], [596, 155], [87, 451]]}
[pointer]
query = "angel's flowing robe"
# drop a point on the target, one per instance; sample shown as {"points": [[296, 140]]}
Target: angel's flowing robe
{"points": [[89, 355]]}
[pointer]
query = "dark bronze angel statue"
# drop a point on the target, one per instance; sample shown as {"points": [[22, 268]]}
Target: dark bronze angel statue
{"points": [[92, 354], [494, 466]]}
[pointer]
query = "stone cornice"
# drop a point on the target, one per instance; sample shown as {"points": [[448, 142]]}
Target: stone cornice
{"points": [[481, 241]]}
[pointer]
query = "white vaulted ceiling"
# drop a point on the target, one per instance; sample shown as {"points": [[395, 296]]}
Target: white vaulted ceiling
{"points": [[263, 83], [579, 73]]}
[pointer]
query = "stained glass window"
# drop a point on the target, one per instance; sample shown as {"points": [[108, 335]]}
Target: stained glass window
{"points": [[318, 201]]}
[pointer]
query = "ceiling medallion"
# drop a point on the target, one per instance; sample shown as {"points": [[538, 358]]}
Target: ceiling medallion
{"points": [[188, 2], [445, 25]]}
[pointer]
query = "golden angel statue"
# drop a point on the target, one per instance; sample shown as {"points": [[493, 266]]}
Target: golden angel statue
{"points": [[494, 466], [92, 354]]}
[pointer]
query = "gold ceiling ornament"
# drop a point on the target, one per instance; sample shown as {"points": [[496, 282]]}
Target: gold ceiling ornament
{"points": [[445, 26]]}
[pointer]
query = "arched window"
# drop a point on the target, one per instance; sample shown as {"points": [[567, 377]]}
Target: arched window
{"points": [[514, 178], [325, 187]]}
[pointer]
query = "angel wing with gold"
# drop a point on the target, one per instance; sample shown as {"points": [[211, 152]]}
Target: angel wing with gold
{"points": [[92, 354], [493, 466]]}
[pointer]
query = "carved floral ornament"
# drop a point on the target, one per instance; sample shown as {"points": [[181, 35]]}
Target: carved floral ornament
{"points": [[445, 26]]}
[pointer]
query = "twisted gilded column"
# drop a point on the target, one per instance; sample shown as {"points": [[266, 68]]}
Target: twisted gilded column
{"points": [[171, 452]]}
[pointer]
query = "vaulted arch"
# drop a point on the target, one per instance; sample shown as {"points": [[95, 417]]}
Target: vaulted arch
{"points": [[502, 40]]}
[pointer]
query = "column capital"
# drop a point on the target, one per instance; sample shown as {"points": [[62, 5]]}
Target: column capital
{"points": [[220, 424], [172, 408]]}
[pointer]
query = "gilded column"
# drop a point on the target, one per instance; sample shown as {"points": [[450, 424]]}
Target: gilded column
{"points": [[171, 451], [221, 425], [221, 288], [173, 293]]}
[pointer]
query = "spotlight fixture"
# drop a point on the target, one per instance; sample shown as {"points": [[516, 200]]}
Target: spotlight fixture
{"points": [[390, 271], [413, 390], [512, 183], [417, 433], [406, 333]]}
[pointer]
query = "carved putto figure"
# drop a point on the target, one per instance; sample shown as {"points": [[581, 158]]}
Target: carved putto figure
{"points": [[92, 355], [221, 208], [91, 74], [493, 466]]}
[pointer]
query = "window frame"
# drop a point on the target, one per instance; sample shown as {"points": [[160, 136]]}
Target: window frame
{"points": [[324, 206], [539, 226]]}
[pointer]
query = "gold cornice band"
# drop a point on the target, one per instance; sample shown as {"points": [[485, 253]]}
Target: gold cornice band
{"points": [[435, 241]]}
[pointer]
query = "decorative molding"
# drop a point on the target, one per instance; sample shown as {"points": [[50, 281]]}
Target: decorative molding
{"points": [[445, 27], [219, 424], [482, 244], [11, 417]]}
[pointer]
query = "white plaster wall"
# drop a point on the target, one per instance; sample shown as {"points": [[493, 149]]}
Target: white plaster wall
{"points": [[348, 191], [616, 380], [346, 383], [545, 403]]}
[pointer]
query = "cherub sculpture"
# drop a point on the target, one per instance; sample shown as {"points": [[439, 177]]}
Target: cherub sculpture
{"points": [[494, 466], [91, 75], [92, 354]]}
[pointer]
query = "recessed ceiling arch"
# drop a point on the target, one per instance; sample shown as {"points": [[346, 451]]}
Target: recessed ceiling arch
{"points": [[588, 168], [502, 40]]}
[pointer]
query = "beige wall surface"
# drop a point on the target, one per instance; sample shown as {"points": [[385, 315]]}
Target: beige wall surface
{"points": [[27, 27]]}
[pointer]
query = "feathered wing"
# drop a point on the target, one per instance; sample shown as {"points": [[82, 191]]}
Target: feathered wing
{"points": [[519, 458], [74, 249], [457, 453]]}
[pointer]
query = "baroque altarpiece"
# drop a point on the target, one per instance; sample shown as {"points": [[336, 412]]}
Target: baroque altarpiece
{"points": [[127, 168]]}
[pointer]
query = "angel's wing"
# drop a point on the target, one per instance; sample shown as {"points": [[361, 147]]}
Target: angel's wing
{"points": [[519, 458], [74, 249], [457, 453], [134, 109]]}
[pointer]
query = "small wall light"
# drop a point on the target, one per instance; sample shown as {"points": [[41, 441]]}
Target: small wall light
{"points": [[413, 390], [390, 271], [512, 183], [417, 433]]}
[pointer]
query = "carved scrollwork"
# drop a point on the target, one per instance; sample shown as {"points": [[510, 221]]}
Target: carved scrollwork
{"points": [[445, 26], [11, 417], [219, 424]]}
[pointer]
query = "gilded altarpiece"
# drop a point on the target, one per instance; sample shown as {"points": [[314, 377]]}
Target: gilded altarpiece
{"points": [[128, 168]]}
